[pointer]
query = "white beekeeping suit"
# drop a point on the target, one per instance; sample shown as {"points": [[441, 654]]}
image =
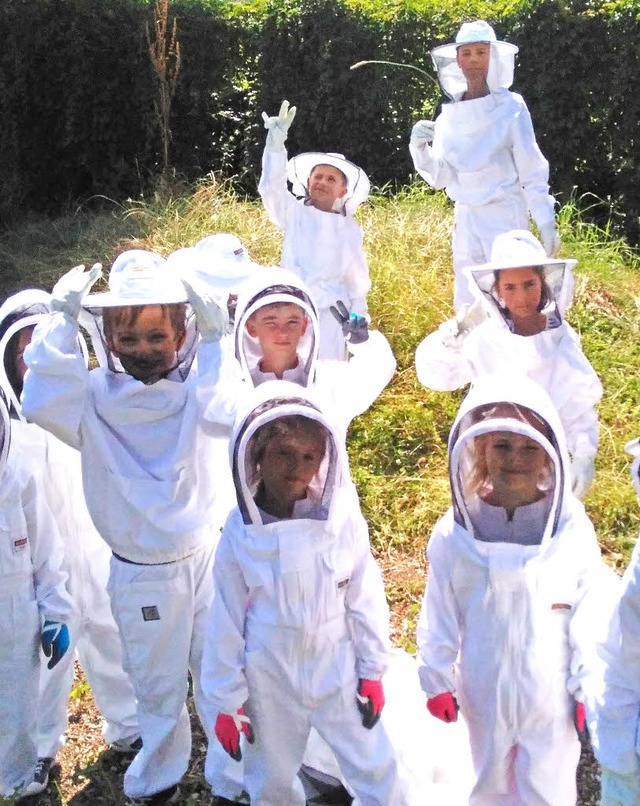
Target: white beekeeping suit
{"points": [[150, 487], [462, 351], [485, 155], [347, 389], [299, 616], [32, 590], [615, 729], [86, 559], [514, 606], [324, 248]]}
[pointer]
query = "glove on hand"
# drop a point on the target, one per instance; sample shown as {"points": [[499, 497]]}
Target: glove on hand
{"points": [[355, 328], [444, 706], [212, 317], [71, 289], [370, 699], [550, 239], [454, 330], [423, 132], [580, 717], [55, 641], [582, 474], [228, 727], [278, 126]]}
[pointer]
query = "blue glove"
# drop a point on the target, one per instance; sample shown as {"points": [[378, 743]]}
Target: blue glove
{"points": [[355, 328], [55, 641]]}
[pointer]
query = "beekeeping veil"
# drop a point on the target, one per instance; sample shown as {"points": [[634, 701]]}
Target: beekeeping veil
{"points": [[299, 170], [501, 59]]}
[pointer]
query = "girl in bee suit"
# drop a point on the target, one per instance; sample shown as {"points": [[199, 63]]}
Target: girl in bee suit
{"points": [[516, 595], [517, 325], [298, 628]]}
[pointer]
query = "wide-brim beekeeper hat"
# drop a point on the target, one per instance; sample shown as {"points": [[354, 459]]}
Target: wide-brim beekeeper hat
{"points": [[501, 61], [139, 277], [520, 249], [299, 169]]}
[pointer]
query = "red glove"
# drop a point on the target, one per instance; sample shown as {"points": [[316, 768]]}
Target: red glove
{"points": [[370, 699], [228, 727], [443, 706], [580, 718]]}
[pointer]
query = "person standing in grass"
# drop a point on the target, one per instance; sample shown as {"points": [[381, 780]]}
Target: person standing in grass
{"points": [[149, 477], [525, 295], [322, 240], [482, 150], [298, 633], [516, 597]]}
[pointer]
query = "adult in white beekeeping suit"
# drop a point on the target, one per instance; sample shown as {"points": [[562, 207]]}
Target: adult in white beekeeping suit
{"points": [[277, 336], [35, 608], [615, 731], [525, 294], [517, 595], [86, 561], [322, 240], [482, 150], [298, 628], [149, 478]]}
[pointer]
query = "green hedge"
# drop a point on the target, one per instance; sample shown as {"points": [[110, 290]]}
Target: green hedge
{"points": [[77, 90]]}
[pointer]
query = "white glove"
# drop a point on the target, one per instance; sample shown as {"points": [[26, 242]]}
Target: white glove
{"points": [[550, 239], [582, 474], [422, 133], [71, 289], [212, 317], [454, 330], [278, 126]]}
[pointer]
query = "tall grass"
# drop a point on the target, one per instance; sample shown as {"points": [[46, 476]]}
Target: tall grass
{"points": [[398, 448]]}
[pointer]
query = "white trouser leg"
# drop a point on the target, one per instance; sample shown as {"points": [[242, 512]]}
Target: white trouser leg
{"points": [[19, 675], [154, 609]]}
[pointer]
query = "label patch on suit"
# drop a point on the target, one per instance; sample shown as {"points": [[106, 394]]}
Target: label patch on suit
{"points": [[341, 584], [150, 613], [20, 545], [561, 606]]}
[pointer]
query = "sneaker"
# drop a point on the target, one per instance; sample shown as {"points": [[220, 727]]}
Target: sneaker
{"points": [[40, 777], [127, 746], [163, 798]]}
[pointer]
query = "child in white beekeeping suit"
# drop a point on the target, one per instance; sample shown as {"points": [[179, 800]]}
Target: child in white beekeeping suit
{"points": [[322, 240], [34, 608], [516, 595], [277, 336], [525, 294], [298, 628], [94, 633], [616, 729], [482, 150], [149, 478]]}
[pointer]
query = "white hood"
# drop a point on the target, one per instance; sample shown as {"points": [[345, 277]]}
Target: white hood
{"points": [[272, 285], [268, 402], [481, 413]]}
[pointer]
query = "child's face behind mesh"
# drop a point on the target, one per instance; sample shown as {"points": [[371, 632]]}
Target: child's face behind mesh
{"points": [[473, 60], [326, 185], [279, 328], [515, 466], [145, 338], [287, 464]]}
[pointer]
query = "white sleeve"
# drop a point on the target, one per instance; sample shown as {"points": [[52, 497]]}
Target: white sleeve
{"points": [[437, 172], [357, 383], [357, 271], [220, 389], [532, 167], [56, 385], [442, 366], [367, 609], [223, 659], [54, 602], [273, 187], [438, 632]]}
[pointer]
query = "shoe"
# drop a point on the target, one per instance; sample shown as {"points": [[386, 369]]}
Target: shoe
{"points": [[127, 746], [40, 777], [163, 798]]}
